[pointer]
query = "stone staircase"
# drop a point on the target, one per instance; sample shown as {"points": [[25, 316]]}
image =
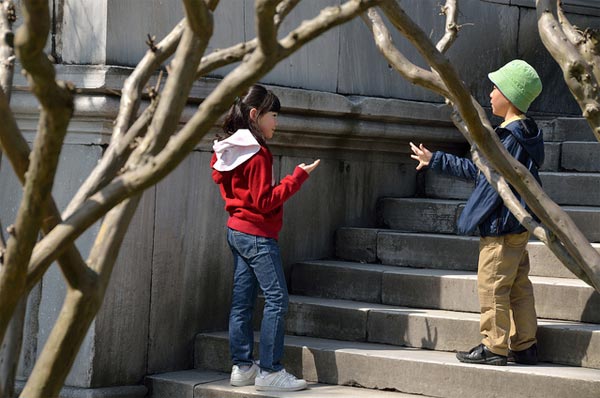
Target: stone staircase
{"points": [[385, 317]]}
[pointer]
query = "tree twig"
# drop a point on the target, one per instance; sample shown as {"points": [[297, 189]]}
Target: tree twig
{"points": [[450, 10]]}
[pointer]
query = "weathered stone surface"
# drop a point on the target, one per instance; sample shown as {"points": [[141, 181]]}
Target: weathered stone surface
{"points": [[437, 215], [563, 188], [341, 362], [413, 214], [181, 384], [428, 250], [356, 244], [337, 280], [580, 156], [556, 298], [209, 384]]}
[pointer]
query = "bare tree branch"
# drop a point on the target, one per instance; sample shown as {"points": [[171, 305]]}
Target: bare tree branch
{"points": [[199, 17], [224, 57], [283, 9], [7, 51], [517, 175], [135, 180], [57, 107], [407, 69], [266, 30], [238, 51], [46, 381], [134, 85], [450, 10], [567, 48], [131, 96], [431, 81]]}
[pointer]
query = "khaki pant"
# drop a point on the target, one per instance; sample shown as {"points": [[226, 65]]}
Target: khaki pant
{"points": [[506, 294]]}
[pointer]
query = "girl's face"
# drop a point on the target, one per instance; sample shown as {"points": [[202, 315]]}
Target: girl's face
{"points": [[500, 105], [267, 122]]}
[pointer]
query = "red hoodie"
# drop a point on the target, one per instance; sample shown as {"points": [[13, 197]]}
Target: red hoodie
{"points": [[254, 204]]}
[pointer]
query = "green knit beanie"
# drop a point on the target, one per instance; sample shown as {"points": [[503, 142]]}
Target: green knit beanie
{"points": [[519, 83]]}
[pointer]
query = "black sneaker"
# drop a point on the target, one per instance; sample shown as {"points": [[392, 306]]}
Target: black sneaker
{"points": [[524, 357], [481, 354]]}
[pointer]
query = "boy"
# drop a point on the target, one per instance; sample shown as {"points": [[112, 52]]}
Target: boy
{"points": [[505, 291]]}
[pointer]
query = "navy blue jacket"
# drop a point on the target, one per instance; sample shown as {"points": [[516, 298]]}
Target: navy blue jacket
{"points": [[485, 208]]}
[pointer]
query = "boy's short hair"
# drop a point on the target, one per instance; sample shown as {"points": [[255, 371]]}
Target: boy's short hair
{"points": [[519, 83]]}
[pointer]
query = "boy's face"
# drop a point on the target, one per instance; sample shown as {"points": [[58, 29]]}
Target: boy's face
{"points": [[500, 105]]}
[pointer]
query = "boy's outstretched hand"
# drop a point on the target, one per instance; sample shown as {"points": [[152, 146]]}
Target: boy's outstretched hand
{"points": [[421, 154], [309, 167]]}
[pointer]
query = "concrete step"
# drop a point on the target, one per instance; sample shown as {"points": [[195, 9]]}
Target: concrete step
{"points": [[439, 251], [567, 129], [440, 215], [410, 370], [577, 189], [569, 343], [199, 383], [556, 298], [581, 156]]}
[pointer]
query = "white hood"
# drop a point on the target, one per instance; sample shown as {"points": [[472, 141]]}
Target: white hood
{"points": [[235, 150]]}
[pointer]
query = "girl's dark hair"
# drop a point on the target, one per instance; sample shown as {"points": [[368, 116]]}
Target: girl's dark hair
{"points": [[238, 116]]}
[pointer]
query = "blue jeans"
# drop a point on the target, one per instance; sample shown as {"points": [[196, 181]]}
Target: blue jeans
{"points": [[257, 263]]}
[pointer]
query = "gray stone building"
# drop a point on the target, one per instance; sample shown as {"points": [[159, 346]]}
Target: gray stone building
{"points": [[341, 103]]}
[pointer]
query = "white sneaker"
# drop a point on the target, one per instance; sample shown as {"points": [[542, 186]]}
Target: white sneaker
{"points": [[241, 377], [279, 381]]}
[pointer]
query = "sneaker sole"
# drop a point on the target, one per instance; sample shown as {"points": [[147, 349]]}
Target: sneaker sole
{"points": [[242, 383], [280, 389]]}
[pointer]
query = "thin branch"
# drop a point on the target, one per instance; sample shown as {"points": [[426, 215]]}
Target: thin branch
{"points": [[224, 57], [130, 101], [113, 159], [450, 10], [581, 77], [7, 51], [199, 17], [18, 153], [407, 69], [133, 87], [283, 9], [574, 36], [57, 107], [266, 30]]}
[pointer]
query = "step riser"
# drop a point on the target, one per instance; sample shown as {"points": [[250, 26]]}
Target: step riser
{"points": [[576, 303], [345, 367], [563, 188], [432, 251], [412, 215], [581, 156], [406, 327]]}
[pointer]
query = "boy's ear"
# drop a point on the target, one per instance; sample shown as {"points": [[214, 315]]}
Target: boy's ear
{"points": [[253, 113]]}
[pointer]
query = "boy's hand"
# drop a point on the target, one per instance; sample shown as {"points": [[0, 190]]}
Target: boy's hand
{"points": [[421, 154], [309, 167]]}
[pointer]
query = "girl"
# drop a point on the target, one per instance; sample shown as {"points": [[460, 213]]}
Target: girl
{"points": [[243, 168]]}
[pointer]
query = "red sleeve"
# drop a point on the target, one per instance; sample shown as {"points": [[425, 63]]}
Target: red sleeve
{"points": [[260, 174]]}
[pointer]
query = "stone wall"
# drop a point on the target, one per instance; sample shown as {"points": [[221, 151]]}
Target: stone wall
{"points": [[344, 60]]}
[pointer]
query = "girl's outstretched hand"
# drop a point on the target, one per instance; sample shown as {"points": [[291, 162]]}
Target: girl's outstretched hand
{"points": [[309, 167], [421, 154]]}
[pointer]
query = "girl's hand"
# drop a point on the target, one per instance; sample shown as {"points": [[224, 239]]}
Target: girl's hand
{"points": [[310, 167], [421, 154]]}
